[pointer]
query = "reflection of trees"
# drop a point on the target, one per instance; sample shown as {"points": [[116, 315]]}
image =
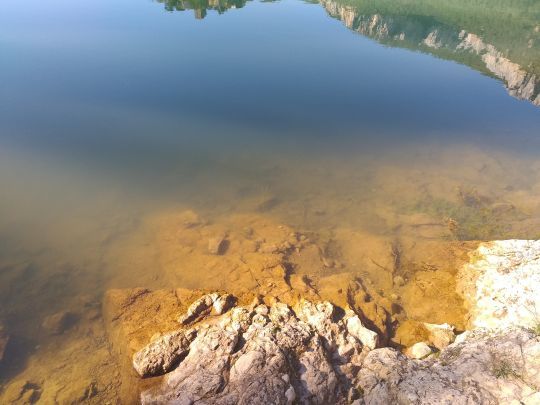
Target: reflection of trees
{"points": [[200, 7]]}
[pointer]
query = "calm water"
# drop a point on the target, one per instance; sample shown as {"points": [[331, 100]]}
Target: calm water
{"points": [[332, 118]]}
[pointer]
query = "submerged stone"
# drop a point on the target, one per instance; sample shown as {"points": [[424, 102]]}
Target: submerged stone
{"points": [[216, 245], [59, 322], [4, 338]]}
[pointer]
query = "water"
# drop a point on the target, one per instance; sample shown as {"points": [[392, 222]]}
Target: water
{"points": [[376, 129]]}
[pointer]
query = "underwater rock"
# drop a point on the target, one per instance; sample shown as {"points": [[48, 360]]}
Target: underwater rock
{"points": [[500, 284], [4, 338], [216, 245], [22, 392], [266, 204], [190, 219], [81, 391], [59, 322], [132, 318], [399, 281]]}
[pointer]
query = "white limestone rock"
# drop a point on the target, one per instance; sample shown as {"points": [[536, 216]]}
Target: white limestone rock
{"points": [[488, 367], [259, 355], [311, 355], [202, 307], [440, 335], [419, 351], [500, 286], [162, 355], [368, 338]]}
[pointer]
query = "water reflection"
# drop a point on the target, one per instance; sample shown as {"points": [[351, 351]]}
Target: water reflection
{"points": [[201, 7], [502, 41]]}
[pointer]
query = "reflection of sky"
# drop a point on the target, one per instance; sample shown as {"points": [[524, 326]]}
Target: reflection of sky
{"points": [[98, 73]]}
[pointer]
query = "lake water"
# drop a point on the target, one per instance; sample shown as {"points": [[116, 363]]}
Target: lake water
{"points": [[379, 130]]}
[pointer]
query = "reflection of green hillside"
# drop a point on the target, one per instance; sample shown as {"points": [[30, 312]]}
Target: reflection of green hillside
{"points": [[200, 7], [498, 37]]}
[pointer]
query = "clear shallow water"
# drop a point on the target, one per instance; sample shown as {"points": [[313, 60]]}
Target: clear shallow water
{"points": [[346, 117]]}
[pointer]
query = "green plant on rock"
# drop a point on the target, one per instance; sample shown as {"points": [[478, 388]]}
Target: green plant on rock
{"points": [[535, 329], [503, 368]]}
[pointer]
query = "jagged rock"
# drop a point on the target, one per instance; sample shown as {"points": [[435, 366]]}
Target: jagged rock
{"points": [[163, 354], [319, 382], [319, 353], [419, 350], [260, 354], [440, 335], [58, 323], [203, 372], [487, 367], [203, 306], [500, 285]]}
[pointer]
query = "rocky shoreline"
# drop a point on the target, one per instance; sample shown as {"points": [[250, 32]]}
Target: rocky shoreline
{"points": [[213, 348]]}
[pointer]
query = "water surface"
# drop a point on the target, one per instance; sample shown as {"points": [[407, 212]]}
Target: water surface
{"points": [[363, 124]]}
